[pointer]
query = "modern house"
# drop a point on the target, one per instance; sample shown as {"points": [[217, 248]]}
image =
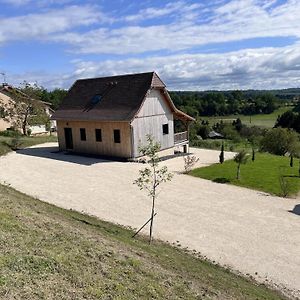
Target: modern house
{"points": [[112, 116], [7, 100]]}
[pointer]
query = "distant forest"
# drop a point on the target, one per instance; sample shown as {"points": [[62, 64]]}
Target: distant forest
{"points": [[220, 103], [213, 103]]}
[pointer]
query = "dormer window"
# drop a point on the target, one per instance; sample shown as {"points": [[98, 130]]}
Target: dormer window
{"points": [[96, 99]]}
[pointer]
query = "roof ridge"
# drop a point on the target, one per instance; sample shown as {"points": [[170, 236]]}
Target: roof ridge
{"points": [[114, 76]]}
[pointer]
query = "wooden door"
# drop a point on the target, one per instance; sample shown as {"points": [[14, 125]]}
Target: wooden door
{"points": [[68, 138]]}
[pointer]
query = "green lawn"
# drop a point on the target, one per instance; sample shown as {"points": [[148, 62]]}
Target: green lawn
{"points": [[262, 174], [26, 141], [51, 253], [261, 120]]}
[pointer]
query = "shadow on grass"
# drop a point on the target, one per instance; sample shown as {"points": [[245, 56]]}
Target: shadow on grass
{"points": [[296, 210], [221, 180], [109, 229]]}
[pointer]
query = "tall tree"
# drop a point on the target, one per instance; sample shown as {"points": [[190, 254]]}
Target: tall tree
{"points": [[152, 176], [221, 156], [25, 108]]}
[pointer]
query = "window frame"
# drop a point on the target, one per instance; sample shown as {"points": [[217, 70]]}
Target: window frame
{"points": [[165, 126], [82, 134], [117, 136], [98, 135]]}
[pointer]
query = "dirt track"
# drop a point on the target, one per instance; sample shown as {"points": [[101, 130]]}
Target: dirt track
{"points": [[247, 230]]}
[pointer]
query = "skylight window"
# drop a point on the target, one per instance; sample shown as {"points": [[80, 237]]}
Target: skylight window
{"points": [[96, 99]]}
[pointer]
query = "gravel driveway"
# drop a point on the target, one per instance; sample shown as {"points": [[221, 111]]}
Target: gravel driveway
{"points": [[247, 230]]}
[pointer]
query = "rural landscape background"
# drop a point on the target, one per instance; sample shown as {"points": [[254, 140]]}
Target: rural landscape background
{"points": [[66, 222]]}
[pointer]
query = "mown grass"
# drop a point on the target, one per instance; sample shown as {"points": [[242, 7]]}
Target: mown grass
{"points": [[261, 120], [262, 174], [51, 253], [26, 141]]}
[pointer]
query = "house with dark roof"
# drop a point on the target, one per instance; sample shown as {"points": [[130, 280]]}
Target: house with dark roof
{"points": [[8, 102], [112, 116]]}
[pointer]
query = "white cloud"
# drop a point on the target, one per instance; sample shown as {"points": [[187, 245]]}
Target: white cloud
{"points": [[244, 69], [53, 21], [226, 22], [265, 68], [236, 20], [179, 7]]}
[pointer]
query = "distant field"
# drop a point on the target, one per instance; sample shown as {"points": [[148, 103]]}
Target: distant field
{"points": [[262, 174], [262, 120]]}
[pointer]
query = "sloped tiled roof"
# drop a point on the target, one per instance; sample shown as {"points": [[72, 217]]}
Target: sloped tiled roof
{"points": [[118, 98]]}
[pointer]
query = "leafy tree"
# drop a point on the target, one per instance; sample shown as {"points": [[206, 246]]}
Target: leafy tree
{"points": [[55, 97], [279, 141], [240, 158], [26, 108], [230, 133], [286, 120], [237, 124], [221, 156], [203, 131], [152, 176]]}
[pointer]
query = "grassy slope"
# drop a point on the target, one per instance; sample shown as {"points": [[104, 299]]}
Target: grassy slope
{"points": [[262, 174], [26, 142], [262, 120], [52, 253]]}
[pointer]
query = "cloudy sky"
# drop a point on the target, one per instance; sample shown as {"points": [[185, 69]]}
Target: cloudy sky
{"points": [[192, 45]]}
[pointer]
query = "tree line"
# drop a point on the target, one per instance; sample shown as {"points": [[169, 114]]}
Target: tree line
{"points": [[224, 103]]}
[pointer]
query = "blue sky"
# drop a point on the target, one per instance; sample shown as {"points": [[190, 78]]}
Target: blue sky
{"points": [[192, 45]]}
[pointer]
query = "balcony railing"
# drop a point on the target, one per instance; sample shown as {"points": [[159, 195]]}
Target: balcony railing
{"points": [[180, 137]]}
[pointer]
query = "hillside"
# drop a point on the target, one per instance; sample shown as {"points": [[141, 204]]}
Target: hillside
{"points": [[52, 253]]}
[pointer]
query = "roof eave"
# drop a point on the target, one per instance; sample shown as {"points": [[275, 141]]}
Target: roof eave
{"points": [[180, 114]]}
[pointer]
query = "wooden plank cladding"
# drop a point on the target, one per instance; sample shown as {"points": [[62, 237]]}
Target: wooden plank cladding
{"points": [[104, 146]]}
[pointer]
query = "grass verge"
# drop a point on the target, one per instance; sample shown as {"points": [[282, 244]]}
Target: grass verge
{"points": [[26, 141], [263, 174], [51, 253]]}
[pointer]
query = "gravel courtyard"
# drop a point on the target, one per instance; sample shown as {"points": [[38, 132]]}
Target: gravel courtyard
{"points": [[250, 231]]}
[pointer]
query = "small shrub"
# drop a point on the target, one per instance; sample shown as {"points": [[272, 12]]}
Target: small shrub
{"points": [[240, 158], [189, 162], [253, 154], [285, 186], [29, 131], [10, 133], [15, 143]]}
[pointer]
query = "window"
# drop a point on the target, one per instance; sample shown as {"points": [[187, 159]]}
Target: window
{"points": [[82, 134], [98, 135], [165, 128], [117, 136], [96, 99]]}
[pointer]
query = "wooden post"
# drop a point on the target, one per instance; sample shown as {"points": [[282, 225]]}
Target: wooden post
{"points": [[188, 135]]}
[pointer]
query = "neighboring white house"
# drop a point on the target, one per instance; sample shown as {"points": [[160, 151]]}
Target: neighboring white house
{"points": [[7, 100], [113, 115]]}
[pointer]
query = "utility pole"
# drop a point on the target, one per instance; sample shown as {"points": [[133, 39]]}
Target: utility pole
{"points": [[4, 77]]}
